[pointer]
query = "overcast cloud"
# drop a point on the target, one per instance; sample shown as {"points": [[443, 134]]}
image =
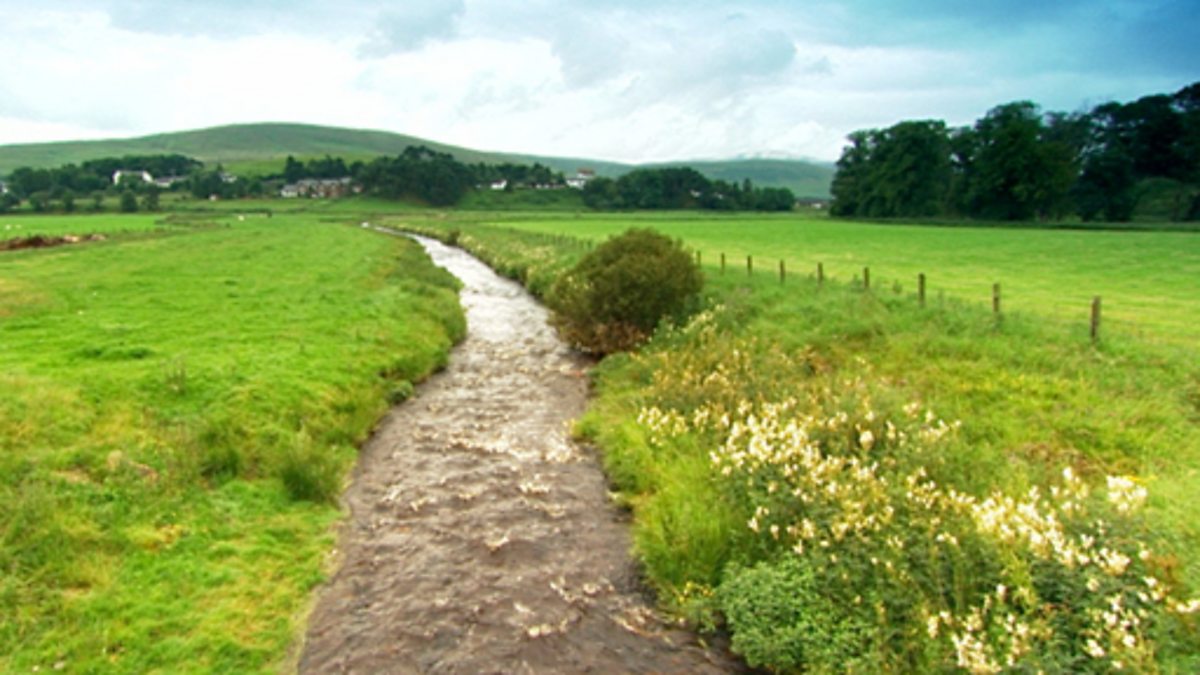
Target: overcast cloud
{"points": [[624, 80]]}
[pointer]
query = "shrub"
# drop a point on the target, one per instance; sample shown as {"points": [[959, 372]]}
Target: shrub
{"points": [[783, 619], [618, 294]]}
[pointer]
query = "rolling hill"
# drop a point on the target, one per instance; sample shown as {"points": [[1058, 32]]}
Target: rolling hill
{"points": [[257, 148]]}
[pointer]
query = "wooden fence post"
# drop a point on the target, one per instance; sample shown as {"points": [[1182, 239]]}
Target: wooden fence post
{"points": [[820, 273], [921, 288], [1095, 331], [722, 263], [866, 278], [749, 265], [782, 272], [996, 300]]}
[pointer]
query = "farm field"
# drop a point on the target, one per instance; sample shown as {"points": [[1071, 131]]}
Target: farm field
{"points": [[177, 414], [1147, 280], [699, 433], [14, 226]]}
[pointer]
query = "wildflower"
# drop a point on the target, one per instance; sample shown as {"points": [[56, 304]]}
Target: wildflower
{"points": [[866, 439], [1126, 495], [1094, 649]]}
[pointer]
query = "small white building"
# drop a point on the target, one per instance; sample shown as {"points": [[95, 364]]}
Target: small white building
{"points": [[581, 179], [119, 174]]}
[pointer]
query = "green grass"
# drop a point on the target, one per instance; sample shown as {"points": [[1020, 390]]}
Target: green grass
{"points": [[14, 226], [1147, 280], [176, 415]]}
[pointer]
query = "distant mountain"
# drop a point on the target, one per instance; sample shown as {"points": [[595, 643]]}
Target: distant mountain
{"points": [[267, 142]]}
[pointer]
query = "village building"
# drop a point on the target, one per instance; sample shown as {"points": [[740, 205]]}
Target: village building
{"points": [[581, 178], [318, 188], [120, 174]]}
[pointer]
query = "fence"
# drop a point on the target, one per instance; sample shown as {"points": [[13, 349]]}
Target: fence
{"points": [[922, 285]]}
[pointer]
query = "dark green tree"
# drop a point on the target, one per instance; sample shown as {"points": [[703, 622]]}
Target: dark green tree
{"points": [[150, 199], [851, 180], [129, 203]]}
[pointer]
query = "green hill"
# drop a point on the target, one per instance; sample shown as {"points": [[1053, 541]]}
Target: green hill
{"points": [[260, 148]]}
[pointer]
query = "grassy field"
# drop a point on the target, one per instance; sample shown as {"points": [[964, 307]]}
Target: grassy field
{"points": [[177, 414], [1147, 280], [771, 450], [17, 226]]}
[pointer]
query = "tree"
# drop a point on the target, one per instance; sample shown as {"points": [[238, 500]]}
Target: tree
{"points": [[293, 170], [150, 199], [1018, 172], [40, 201], [850, 181], [129, 202]]}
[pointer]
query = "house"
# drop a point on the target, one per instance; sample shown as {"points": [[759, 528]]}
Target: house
{"points": [[3, 188], [499, 185], [131, 173], [581, 178], [317, 188], [167, 182]]}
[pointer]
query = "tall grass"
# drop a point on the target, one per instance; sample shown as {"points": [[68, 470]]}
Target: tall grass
{"points": [[177, 415]]}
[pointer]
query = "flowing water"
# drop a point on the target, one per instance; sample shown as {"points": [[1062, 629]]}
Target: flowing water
{"points": [[481, 538]]}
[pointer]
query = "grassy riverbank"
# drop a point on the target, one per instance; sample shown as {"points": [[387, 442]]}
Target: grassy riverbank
{"points": [[805, 445], [178, 408]]}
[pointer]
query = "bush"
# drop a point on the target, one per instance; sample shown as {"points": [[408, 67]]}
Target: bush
{"points": [[783, 619], [618, 294]]}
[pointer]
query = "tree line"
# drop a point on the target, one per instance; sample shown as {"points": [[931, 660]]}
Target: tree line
{"points": [[418, 173], [1019, 163], [682, 188]]}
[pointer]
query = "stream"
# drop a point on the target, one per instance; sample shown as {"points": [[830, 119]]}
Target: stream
{"points": [[480, 537]]}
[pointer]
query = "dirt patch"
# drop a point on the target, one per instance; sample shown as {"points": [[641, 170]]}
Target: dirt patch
{"points": [[44, 241], [481, 538]]}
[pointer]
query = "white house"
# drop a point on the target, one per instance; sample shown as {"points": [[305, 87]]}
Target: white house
{"points": [[121, 173], [581, 178]]}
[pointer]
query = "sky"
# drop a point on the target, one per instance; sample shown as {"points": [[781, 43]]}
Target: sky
{"points": [[623, 80]]}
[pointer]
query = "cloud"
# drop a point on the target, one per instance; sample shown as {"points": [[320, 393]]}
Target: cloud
{"points": [[418, 24], [628, 80]]}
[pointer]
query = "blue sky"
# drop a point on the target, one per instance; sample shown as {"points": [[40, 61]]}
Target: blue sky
{"points": [[631, 81]]}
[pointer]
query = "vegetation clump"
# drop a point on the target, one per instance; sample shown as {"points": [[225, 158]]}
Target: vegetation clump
{"points": [[618, 294]]}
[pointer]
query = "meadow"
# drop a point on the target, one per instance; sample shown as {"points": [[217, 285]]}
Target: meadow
{"points": [[14, 226], [946, 489], [1147, 280], [179, 406]]}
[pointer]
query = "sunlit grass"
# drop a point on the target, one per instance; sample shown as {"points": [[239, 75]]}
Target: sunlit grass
{"points": [[1147, 280], [176, 417]]}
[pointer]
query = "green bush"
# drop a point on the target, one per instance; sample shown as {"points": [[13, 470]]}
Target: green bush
{"points": [[783, 619], [618, 294]]}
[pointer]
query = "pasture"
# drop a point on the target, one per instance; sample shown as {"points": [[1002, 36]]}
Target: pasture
{"points": [[177, 414], [1147, 280]]}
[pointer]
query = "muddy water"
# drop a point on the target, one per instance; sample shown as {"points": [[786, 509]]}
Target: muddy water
{"points": [[481, 538]]}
